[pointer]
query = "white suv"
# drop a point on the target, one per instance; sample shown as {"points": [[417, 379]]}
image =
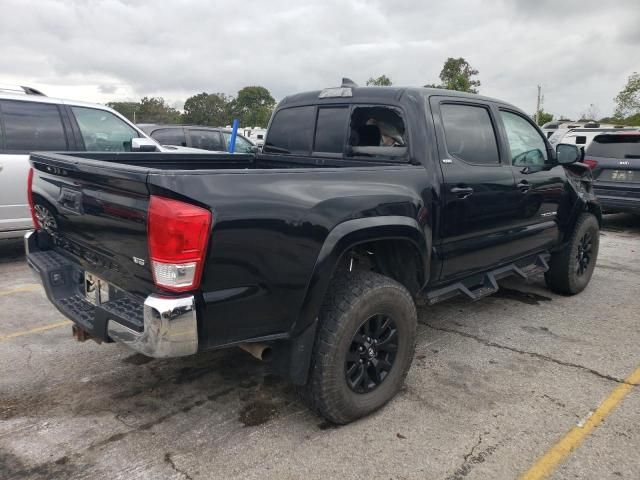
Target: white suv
{"points": [[30, 121]]}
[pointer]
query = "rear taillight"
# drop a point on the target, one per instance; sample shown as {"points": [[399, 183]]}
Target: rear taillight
{"points": [[590, 162], [32, 209], [178, 234]]}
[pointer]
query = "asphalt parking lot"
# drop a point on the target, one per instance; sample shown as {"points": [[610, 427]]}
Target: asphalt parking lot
{"points": [[494, 386]]}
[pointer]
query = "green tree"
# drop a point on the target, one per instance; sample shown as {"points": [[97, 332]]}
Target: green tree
{"points": [[253, 106], [633, 120], [381, 81], [208, 109], [128, 109], [543, 117], [156, 110], [628, 100], [457, 75]]}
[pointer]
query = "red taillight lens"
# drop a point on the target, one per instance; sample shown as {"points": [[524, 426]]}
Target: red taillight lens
{"points": [[178, 234], [590, 162], [36, 224]]}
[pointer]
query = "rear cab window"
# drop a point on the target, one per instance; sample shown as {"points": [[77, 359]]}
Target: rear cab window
{"points": [[291, 131], [32, 126], [357, 132]]}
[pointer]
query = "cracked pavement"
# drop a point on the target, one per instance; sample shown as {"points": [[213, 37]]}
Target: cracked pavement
{"points": [[493, 385]]}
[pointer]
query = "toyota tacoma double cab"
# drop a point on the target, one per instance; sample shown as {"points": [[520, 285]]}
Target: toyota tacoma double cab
{"points": [[313, 250]]}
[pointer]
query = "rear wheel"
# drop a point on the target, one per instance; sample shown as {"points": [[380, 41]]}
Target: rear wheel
{"points": [[571, 268], [364, 346]]}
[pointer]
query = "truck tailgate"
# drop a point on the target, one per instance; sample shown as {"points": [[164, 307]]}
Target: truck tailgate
{"points": [[96, 213]]}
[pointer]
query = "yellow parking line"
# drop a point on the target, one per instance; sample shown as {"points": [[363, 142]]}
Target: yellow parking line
{"points": [[30, 287], [42, 328], [547, 464]]}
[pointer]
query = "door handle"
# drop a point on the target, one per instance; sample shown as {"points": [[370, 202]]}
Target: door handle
{"points": [[462, 192], [524, 186]]}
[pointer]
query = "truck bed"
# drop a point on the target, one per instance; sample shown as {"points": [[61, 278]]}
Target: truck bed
{"points": [[164, 161], [270, 220]]}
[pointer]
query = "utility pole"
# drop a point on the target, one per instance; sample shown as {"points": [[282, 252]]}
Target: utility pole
{"points": [[538, 104]]}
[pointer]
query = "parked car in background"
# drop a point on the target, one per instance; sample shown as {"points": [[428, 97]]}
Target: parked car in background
{"points": [[582, 136], [32, 121], [555, 131], [614, 159], [550, 128], [214, 139]]}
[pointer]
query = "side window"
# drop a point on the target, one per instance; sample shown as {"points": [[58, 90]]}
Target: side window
{"points": [[170, 136], [331, 130], [291, 131], [242, 144], [377, 131], [206, 140], [31, 126], [526, 144], [102, 131], [469, 133]]}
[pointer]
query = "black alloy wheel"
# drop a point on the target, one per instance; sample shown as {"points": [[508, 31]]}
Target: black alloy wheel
{"points": [[583, 256], [371, 354]]}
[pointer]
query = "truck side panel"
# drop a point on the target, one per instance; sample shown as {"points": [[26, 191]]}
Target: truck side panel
{"points": [[269, 229]]}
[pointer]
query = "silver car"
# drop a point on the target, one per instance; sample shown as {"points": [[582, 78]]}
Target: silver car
{"points": [[31, 121]]}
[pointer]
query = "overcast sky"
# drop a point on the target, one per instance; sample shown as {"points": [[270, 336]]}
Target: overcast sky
{"points": [[581, 52]]}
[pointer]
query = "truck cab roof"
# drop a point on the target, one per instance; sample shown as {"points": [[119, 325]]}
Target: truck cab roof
{"points": [[377, 95]]}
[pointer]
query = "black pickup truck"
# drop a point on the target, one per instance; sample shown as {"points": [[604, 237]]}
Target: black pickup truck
{"points": [[313, 250]]}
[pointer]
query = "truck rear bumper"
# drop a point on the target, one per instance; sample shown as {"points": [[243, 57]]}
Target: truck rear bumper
{"points": [[157, 326]]}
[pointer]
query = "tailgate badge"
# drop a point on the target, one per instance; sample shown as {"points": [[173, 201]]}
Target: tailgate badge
{"points": [[139, 261]]}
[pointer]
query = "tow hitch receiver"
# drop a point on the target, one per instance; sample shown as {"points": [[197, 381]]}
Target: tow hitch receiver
{"points": [[82, 336]]}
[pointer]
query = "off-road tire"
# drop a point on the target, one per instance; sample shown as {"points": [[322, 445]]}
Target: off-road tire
{"points": [[562, 276], [352, 299]]}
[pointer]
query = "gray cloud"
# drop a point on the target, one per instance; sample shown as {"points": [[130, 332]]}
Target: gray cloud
{"points": [[580, 51]]}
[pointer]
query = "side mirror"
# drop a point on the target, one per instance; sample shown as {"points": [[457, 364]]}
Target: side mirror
{"points": [[143, 145], [567, 154]]}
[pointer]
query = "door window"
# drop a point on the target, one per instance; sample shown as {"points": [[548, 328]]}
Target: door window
{"points": [[102, 131], [291, 131], [170, 136], [31, 126], [526, 144], [469, 133], [242, 144], [206, 140]]}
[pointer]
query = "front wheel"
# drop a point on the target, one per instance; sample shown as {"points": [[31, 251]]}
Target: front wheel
{"points": [[571, 268], [364, 346]]}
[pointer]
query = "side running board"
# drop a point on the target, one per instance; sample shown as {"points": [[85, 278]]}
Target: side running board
{"points": [[480, 285]]}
